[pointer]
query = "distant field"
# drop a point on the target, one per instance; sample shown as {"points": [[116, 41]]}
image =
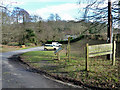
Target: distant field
{"points": [[6, 48], [101, 74]]}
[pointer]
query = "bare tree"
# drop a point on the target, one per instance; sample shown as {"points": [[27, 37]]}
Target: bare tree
{"points": [[35, 18], [57, 17], [20, 15], [51, 17], [97, 10]]}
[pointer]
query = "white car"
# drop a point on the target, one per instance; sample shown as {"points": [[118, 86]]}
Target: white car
{"points": [[56, 44], [50, 47]]}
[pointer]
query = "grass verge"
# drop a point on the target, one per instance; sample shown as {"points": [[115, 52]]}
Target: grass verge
{"points": [[101, 73], [6, 48]]}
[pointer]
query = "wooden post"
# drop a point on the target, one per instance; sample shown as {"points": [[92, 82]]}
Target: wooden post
{"points": [[66, 50], [113, 54], [69, 49], [58, 56], [87, 57]]}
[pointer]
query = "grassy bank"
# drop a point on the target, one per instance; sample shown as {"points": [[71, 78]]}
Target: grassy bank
{"points": [[101, 73], [5, 48]]}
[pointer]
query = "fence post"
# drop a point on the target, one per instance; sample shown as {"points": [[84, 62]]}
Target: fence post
{"points": [[68, 48], [87, 57], [58, 56], [113, 54]]}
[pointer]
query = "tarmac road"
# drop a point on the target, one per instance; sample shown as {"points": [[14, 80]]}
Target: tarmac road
{"points": [[16, 75]]}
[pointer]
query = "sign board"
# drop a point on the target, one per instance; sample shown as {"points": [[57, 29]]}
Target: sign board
{"points": [[58, 50], [101, 49], [98, 50]]}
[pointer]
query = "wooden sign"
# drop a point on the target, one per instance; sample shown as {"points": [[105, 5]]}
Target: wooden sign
{"points": [[58, 53], [58, 50], [98, 50]]}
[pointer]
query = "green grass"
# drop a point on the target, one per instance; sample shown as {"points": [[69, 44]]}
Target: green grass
{"points": [[8, 49], [101, 72], [26, 47], [13, 48]]}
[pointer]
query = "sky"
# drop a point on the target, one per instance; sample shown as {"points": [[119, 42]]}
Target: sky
{"points": [[66, 9]]}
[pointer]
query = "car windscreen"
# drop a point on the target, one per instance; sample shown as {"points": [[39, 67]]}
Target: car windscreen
{"points": [[49, 45]]}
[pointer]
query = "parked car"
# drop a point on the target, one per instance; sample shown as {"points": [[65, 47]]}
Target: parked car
{"points": [[56, 44], [50, 47]]}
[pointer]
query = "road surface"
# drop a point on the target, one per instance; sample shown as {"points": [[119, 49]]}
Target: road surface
{"points": [[16, 75]]}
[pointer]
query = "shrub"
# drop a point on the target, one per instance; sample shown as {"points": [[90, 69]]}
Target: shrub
{"points": [[28, 44], [5, 42], [13, 44], [28, 36], [92, 36], [104, 37]]}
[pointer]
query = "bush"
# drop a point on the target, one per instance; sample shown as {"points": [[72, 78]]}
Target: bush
{"points": [[5, 42], [29, 44], [28, 37], [13, 44], [97, 37], [92, 36], [104, 37]]}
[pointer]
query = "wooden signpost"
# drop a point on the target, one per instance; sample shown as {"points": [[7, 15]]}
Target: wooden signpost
{"points": [[98, 50], [68, 48], [58, 53]]}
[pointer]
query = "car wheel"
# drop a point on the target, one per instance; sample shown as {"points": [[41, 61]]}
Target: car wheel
{"points": [[54, 48], [45, 49]]}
